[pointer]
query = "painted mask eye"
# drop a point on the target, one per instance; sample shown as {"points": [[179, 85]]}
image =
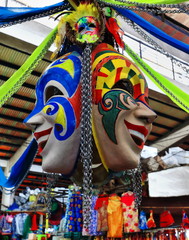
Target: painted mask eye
{"points": [[92, 25], [81, 29], [124, 84], [52, 91]]}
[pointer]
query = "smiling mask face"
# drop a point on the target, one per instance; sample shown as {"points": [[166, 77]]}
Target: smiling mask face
{"points": [[87, 29], [56, 116], [122, 118]]}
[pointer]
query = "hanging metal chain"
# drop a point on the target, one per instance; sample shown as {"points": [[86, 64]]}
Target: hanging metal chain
{"points": [[86, 135], [40, 15], [152, 8], [136, 183], [51, 182], [154, 44]]}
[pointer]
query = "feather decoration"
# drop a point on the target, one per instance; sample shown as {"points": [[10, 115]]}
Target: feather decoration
{"points": [[115, 30]]}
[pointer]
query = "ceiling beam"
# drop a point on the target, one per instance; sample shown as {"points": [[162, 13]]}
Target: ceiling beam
{"points": [[162, 126], [9, 136], [159, 114], [7, 151], [16, 129], [9, 144], [28, 99], [16, 67], [19, 109], [172, 138], [27, 85]]}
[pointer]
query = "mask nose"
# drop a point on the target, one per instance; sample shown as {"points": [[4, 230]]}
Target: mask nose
{"points": [[34, 121], [146, 113], [152, 118]]}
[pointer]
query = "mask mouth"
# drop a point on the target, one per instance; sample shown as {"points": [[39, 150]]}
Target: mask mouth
{"points": [[137, 139], [138, 133], [41, 146], [42, 138]]}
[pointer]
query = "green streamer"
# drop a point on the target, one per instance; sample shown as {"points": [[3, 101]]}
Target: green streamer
{"points": [[159, 1], [173, 92], [145, 2], [21, 75]]}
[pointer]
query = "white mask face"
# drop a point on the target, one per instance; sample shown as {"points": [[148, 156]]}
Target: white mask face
{"points": [[122, 119], [56, 116]]}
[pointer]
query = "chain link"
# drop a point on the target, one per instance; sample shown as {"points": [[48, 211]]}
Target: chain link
{"points": [[86, 135], [51, 182], [154, 44], [152, 8], [40, 15], [136, 183]]}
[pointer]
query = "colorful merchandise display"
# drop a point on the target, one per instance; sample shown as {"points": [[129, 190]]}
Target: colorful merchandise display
{"points": [[82, 31]]}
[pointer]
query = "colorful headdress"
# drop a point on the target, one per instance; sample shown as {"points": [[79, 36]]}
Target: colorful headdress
{"points": [[68, 21], [83, 10]]}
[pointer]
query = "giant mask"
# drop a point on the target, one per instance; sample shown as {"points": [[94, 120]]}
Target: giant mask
{"points": [[122, 118], [56, 116]]}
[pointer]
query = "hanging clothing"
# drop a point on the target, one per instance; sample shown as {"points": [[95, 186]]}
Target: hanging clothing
{"points": [[166, 219], [18, 224], [143, 221], [27, 227], [115, 217], [5, 225], [130, 213], [94, 219], [93, 223], [34, 225], [102, 214], [150, 222], [185, 220], [75, 217]]}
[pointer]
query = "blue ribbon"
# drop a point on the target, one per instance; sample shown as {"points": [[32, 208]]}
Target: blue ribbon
{"points": [[13, 14], [153, 30], [20, 168]]}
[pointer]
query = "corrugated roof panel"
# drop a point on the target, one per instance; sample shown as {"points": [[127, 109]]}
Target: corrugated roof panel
{"points": [[24, 91], [13, 113], [8, 148], [21, 103], [12, 123], [13, 56], [13, 133]]}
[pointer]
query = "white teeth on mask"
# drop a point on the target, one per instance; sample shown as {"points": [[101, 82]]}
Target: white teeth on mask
{"points": [[137, 134], [96, 165], [43, 138]]}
